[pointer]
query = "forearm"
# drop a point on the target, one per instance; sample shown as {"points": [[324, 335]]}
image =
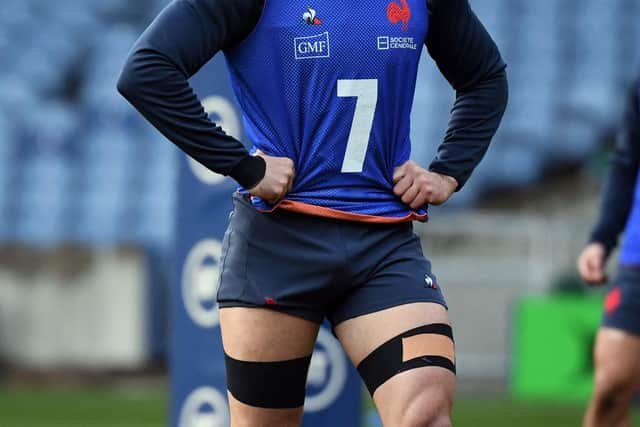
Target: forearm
{"points": [[616, 204], [474, 119], [155, 81], [471, 62], [619, 190]]}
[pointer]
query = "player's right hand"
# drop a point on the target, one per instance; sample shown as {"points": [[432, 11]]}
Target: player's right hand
{"points": [[591, 264], [277, 181]]}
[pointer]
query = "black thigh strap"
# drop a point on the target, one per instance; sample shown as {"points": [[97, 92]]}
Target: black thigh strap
{"points": [[275, 385], [386, 361]]}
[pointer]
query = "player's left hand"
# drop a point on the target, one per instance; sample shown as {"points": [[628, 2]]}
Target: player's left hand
{"points": [[418, 187]]}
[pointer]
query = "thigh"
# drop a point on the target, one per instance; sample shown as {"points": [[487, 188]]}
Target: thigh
{"points": [[617, 360], [263, 335], [617, 350], [395, 398]]}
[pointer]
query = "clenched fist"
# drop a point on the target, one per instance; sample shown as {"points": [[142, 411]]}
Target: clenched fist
{"points": [[418, 187], [277, 181], [591, 264]]}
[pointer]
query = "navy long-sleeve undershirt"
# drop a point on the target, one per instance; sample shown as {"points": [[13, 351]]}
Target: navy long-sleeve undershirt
{"points": [[188, 33], [469, 59], [619, 190], [183, 38]]}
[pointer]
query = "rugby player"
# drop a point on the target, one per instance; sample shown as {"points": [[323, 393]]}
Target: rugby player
{"points": [[322, 223], [617, 348]]}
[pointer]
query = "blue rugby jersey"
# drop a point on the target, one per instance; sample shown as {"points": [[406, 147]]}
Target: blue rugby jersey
{"points": [[630, 253], [331, 87]]}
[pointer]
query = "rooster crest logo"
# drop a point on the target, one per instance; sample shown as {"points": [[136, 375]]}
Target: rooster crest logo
{"points": [[397, 13], [310, 18]]}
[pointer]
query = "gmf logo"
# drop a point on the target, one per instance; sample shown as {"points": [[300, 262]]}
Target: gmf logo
{"points": [[310, 47]]}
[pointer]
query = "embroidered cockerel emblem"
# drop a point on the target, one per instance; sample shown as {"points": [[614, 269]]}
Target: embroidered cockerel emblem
{"points": [[397, 13], [310, 18]]}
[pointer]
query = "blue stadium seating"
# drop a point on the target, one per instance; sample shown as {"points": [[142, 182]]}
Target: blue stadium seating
{"points": [[74, 155]]}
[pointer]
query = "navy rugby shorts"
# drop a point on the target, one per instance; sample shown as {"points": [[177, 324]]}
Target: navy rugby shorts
{"points": [[622, 305], [316, 268]]}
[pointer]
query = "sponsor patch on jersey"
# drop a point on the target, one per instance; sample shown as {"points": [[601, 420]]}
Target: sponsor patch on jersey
{"points": [[399, 13], [311, 47], [391, 42], [310, 18]]}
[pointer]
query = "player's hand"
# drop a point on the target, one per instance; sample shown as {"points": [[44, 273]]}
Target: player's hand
{"points": [[418, 187], [277, 181], [591, 264]]}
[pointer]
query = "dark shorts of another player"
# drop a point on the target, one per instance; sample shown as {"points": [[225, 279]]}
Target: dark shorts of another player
{"points": [[315, 267], [622, 305]]}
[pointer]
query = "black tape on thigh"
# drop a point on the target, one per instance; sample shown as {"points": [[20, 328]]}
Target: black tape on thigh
{"points": [[275, 385], [386, 361]]}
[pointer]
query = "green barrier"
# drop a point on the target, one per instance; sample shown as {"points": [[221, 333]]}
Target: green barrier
{"points": [[553, 346]]}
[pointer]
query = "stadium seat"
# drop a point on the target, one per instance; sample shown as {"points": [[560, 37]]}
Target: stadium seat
{"points": [[62, 122]]}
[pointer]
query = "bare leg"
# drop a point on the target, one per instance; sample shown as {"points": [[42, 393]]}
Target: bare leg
{"points": [[421, 397], [262, 335], [617, 360]]}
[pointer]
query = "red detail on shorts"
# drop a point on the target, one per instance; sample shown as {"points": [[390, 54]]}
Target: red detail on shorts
{"points": [[397, 13], [317, 21], [613, 300], [270, 301], [435, 285]]}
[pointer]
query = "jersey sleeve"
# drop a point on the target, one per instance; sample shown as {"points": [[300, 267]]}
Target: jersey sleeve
{"points": [[470, 60], [183, 38], [619, 190]]}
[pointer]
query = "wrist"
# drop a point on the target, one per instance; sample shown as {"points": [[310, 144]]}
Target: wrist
{"points": [[249, 171]]}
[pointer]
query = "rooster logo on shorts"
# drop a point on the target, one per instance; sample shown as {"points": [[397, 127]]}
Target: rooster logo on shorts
{"points": [[310, 18]]}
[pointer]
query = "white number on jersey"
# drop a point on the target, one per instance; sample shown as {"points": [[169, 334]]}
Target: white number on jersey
{"points": [[366, 92]]}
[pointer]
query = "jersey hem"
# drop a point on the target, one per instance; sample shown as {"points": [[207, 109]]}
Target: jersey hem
{"points": [[314, 210]]}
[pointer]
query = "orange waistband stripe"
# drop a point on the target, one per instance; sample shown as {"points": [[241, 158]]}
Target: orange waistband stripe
{"points": [[305, 208]]}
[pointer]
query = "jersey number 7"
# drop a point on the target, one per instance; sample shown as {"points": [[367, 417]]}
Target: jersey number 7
{"points": [[366, 92]]}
